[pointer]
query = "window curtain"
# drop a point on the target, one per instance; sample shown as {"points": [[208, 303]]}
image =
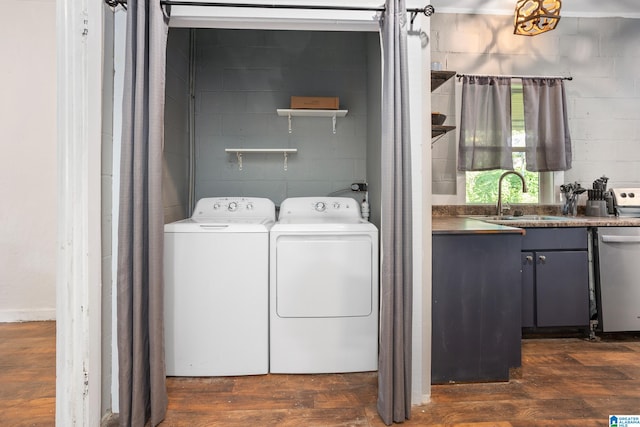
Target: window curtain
{"points": [[485, 124], [396, 287], [548, 143], [143, 395]]}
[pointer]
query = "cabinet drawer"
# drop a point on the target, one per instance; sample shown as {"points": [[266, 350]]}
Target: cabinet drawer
{"points": [[554, 238]]}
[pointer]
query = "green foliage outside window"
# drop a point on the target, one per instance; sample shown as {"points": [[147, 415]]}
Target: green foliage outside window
{"points": [[482, 187]]}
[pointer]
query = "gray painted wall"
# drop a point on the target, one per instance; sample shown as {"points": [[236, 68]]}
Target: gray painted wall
{"points": [[175, 183], [243, 76], [374, 110]]}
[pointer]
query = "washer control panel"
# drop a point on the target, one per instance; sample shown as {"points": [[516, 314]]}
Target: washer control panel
{"points": [[234, 207], [320, 207]]}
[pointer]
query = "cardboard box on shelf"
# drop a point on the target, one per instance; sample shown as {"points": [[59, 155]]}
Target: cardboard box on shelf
{"points": [[315, 102]]}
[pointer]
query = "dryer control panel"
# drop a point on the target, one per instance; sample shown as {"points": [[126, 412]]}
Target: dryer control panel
{"points": [[321, 207]]}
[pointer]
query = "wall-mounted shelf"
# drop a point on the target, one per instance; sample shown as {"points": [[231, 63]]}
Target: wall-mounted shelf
{"points": [[292, 112], [438, 78], [261, 150], [440, 130], [240, 151]]}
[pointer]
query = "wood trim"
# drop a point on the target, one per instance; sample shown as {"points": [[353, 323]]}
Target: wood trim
{"points": [[78, 290]]}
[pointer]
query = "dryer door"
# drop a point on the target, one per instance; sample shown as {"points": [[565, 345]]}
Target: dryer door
{"points": [[324, 275]]}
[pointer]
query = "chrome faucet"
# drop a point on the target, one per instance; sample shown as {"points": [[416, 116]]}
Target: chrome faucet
{"points": [[524, 188]]}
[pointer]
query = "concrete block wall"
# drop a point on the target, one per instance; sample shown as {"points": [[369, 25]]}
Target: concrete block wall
{"points": [[243, 76], [601, 54]]}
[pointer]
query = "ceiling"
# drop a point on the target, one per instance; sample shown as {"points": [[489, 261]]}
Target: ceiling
{"points": [[570, 8]]}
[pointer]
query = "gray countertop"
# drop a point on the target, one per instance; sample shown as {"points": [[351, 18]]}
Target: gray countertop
{"points": [[465, 225], [462, 225]]}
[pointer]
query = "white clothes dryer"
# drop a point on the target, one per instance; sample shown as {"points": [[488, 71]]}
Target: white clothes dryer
{"points": [[323, 288], [216, 268]]}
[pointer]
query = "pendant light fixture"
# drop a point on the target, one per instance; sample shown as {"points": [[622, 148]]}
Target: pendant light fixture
{"points": [[533, 17]]}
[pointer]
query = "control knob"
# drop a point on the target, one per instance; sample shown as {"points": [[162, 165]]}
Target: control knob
{"points": [[233, 206], [320, 206]]}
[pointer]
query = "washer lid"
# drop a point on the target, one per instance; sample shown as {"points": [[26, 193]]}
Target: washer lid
{"points": [[230, 225]]}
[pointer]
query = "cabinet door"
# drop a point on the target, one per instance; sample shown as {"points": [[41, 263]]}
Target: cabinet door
{"points": [[562, 288], [528, 290]]}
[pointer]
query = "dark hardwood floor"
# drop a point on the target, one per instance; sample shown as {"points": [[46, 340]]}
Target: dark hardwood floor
{"points": [[563, 381]]}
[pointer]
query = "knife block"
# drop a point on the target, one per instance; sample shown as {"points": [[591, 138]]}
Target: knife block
{"points": [[596, 208]]}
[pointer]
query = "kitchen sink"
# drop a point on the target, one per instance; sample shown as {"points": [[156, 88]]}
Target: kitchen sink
{"points": [[526, 218]]}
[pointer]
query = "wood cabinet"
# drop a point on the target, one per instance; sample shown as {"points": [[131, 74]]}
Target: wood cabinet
{"points": [[476, 306], [555, 277]]}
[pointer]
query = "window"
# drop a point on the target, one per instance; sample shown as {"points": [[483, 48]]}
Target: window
{"points": [[482, 186]]}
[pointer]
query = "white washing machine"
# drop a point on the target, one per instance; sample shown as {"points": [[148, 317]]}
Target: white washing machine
{"points": [[216, 268], [323, 288]]}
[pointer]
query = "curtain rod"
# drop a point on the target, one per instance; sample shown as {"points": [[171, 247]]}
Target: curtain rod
{"points": [[515, 76], [427, 10]]}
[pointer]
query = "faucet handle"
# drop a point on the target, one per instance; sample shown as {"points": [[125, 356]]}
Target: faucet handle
{"points": [[505, 207]]}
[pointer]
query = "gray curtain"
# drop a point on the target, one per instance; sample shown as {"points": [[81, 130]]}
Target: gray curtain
{"points": [[548, 143], [143, 395], [485, 124], [396, 287]]}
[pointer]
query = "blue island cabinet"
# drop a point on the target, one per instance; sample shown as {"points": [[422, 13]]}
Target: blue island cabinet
{"points": [[476, 299]]}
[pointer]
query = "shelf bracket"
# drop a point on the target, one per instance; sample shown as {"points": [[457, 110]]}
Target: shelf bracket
{"points": [[289, 122], [239, 157], [240, 151]]}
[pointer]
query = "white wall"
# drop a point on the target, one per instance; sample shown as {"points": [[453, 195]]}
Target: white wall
{"points": [[601, 54], [28, 163]]}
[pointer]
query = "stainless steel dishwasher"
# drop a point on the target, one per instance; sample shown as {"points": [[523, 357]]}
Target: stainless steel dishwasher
{"points": [[618, 250], [618, 258]]}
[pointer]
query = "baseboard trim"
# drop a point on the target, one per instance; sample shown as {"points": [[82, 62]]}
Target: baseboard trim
{"points": [[39, 314]]}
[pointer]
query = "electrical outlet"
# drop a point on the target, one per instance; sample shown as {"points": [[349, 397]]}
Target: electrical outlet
{"points": [[359, 186]]}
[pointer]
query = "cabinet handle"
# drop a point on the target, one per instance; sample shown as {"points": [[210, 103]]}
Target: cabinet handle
{"points": [[542, 259], [529, 259]]}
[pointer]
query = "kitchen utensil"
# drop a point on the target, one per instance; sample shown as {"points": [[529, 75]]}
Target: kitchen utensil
{"points": [[601, 183], [571, 192]]}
